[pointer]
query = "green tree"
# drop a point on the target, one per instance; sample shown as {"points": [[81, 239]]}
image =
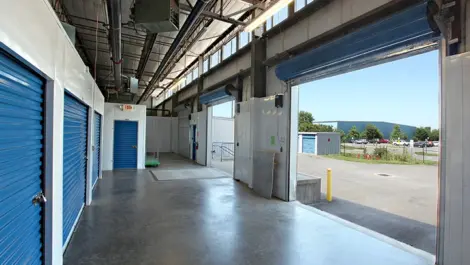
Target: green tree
{"points": [[422, 133], [353, 133], [342, 134], [396, 133], [322, 128], [305, 127], [434, 135], [371, 132], [305, 117]]}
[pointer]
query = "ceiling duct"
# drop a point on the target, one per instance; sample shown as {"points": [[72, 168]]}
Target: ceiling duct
{"points": [[182, 34], [157, 16], [115, 18]]}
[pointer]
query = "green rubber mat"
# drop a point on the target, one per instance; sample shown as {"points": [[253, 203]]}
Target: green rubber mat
{"points": [[151, 161]]}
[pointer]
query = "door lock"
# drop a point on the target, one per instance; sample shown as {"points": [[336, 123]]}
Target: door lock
{"points": [[134, 146], [39, 198]]}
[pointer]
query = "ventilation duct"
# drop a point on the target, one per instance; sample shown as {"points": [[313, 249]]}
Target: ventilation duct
{"points": [[157, 16]]}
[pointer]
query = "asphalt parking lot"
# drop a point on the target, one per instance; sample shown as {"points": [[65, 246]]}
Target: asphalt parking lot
{"points": [[399, 201]]}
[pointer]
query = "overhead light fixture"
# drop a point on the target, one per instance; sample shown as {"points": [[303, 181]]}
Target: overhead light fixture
{"points": [[273, 9]]}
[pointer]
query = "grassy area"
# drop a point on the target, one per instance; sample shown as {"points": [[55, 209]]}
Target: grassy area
{"points": [[371, 161], [426, 154]]}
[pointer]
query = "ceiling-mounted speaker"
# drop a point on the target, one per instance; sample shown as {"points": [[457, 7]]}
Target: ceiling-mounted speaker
{"points": [[157, 16]]}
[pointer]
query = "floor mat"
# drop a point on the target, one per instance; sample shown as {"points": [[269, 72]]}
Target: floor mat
{"points": [[178, 174]]}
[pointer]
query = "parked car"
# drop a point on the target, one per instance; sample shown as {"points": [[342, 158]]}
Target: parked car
{"points": [[419, 144], [401, 143], [383, 141], [429, 144], [436, 143], [373, 141], [361, 141]]}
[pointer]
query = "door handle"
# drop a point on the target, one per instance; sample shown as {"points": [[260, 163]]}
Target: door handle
{"points": [[39, 198], [134, 146]]}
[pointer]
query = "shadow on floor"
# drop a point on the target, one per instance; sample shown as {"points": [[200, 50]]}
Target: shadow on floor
{"points": [[408, 231]]}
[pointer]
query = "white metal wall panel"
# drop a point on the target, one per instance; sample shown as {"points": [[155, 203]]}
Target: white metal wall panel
{"points": [[201, 137], [159, 136], [454, 231], [174, 135], [183, 134]]}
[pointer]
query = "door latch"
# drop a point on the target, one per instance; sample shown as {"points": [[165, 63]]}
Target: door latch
{"points": [[134, 146], [39, 198]]}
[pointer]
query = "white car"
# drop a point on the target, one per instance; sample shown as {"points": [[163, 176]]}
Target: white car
{"points": [[436, 143], [401, 143]]}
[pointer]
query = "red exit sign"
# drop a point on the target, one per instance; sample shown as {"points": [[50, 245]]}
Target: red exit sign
{"points": [[127, 107]]}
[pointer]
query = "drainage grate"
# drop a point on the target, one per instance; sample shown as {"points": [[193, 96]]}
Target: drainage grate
{"points": [[383, 175]]}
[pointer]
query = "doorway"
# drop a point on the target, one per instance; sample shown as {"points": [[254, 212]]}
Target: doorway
{"points": [[125, 145]]}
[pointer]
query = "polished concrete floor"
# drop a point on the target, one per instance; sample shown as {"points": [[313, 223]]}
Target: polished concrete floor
{"points": [[135, 219]]}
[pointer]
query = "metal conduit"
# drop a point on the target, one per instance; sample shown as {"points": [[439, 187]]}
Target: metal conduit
{"points": [[114, 11]]}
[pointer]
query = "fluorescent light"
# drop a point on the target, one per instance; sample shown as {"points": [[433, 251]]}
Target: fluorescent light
{"points": [[273, 9]]}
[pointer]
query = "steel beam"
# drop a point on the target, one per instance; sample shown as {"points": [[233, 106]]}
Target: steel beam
{"points": [[186, 9]]}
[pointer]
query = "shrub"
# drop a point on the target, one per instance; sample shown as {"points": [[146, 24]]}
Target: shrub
{"points": [[381, 152]]}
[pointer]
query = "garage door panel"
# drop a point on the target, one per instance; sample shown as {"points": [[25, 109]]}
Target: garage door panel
{"points": [[21, 134], [408, 30], [74, 162]]}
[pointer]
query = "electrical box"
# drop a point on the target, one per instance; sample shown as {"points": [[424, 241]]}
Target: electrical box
{"points": [[157, 16], [133, 85]]}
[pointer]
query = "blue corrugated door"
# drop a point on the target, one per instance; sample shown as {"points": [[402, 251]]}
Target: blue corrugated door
{"points": [[308, 144], [21, 136], [125, 144], [75, 162], [97, 148]]}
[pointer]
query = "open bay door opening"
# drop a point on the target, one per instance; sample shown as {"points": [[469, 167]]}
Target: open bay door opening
{"points": [[405, 33]]}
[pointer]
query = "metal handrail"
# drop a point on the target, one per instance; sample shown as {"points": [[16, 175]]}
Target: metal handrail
{"points": [[226, 150]]}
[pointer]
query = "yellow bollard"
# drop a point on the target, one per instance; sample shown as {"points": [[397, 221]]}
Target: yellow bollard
{"points": [[329, 195]]}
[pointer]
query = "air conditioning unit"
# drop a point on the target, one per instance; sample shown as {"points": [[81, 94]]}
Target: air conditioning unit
{"points": [[157, 15]]}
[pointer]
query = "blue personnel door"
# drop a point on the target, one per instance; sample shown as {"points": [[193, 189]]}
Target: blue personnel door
{"points": [[21, 151], [308, 144], [125, 145], [96, 148], [75, 163]]}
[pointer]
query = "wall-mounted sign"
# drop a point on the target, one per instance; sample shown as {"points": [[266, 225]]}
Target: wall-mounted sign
{"points": [[127, 107]]}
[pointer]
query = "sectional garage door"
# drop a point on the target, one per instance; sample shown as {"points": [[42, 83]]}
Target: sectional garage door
{"points": [[411, 31], [75, 162], [97, 148], [308, 144], [21, 153]]}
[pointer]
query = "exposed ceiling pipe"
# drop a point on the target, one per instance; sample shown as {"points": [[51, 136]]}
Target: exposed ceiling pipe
{"points": [[115, 17], [185, 29], [146, 51]]}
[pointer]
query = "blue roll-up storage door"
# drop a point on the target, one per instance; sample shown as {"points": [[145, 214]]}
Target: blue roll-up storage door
{"points": [[125, 145], [308, 144], [75, 163], [96, 151], [21, 152], [389, 38]]}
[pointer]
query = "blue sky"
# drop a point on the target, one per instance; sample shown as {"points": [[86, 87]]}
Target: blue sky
{"points": [[404, 91]]}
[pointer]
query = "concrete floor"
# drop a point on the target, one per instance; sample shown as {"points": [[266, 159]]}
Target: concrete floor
{"points": [[402, 206], [226, 165], [135, 219]]}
